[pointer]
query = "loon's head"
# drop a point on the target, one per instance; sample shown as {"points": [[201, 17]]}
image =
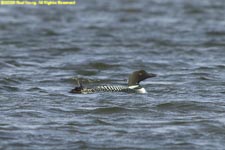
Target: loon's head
{"points": [[136, 77]]}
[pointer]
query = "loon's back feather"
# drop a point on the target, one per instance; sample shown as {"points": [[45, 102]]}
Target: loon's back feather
{"points": [[115, 88]]}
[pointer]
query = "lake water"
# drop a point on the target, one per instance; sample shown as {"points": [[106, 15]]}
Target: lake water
{"points": [[45, 49]]}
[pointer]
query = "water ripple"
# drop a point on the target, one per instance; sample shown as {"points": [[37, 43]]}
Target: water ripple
{"points": [[102, 42]]}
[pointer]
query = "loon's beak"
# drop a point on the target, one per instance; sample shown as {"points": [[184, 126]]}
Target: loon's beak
{"points": [[151, 75]]}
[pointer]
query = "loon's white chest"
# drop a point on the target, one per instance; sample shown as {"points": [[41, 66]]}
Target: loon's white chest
{"points": [[138, 89], [141, 90]]}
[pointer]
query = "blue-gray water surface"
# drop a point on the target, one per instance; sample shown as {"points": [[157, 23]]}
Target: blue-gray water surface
{"points": [[44, 50]]}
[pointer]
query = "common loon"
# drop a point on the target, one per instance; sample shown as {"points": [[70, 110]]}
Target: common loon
{"points": [[133, 85]]}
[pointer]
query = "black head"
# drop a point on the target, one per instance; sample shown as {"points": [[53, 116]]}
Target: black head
{"points": [[139, 76]]}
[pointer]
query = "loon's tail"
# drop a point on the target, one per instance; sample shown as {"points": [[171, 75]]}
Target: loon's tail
{"points": [[80, 89]]}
